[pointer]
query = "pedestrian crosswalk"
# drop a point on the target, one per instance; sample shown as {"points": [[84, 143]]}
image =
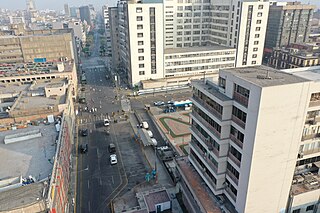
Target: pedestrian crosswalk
{"points": [[90, 119]]}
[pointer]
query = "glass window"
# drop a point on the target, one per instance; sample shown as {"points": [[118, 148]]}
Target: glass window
{"points": [[139, 18], [139, 26], [141, 72], [140, 50], [141, 58], [260, 14], [140, 42], [260, 6], [139, 9], [258, 21], [141, 65]]}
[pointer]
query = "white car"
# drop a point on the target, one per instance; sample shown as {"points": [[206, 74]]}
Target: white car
{"points": [[145, 125], [150, 134], [106, 122], [113, 159]]}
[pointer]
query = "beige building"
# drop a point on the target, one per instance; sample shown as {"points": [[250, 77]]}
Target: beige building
{"points": [[254, 143], [51, 45]]}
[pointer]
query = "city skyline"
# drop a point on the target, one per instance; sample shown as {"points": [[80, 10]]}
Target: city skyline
{"points": [[58, 4]]}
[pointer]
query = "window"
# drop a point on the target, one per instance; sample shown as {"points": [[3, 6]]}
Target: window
{"points": [[139, 18], [139, 9], [260, 6], [141, 72], [140, 35], [296, 211], [140, 42], [140, 50], [254, 56], [256, 42], [141, 58], [258, 21], [141, 65], [139, 26], [255, 49], [257, 35], [254, 62], [258, 28], [259, 14], [309, 208]]}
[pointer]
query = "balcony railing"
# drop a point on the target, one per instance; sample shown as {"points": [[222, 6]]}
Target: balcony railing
{"points": [[206, 124], [311, 151], [231, 175], [236, 141], [311, 136], [207, 106], [214, 167], [314, 103], [240, 99], [232, 195], [205, 140], [234, 159], [238, 121], [203, 172]]}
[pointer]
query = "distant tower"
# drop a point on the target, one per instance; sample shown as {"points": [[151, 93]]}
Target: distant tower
{"points": [[66, 10], [31, 5]]}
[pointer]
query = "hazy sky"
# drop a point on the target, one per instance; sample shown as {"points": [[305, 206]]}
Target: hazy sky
{"points": [[58, 4]]}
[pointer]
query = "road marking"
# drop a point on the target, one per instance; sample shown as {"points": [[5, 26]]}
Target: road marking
{"points": [[88, 184], [100, 181], [89, 206], [112, 179]]}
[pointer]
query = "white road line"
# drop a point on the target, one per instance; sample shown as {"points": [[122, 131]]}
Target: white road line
{"points": [[112, 180], [88, 184], [100, 181], [89, 206]]}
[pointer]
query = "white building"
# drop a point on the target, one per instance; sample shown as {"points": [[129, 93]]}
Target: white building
{"points": [[255, 139], [239, 24], [106, 18]]}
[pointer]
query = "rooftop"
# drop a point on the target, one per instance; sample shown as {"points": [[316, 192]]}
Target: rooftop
{"points": [[208, 48], [264, 76], [198, 188], [29, 157], [155, 198], [212, 88], [310, 73]]}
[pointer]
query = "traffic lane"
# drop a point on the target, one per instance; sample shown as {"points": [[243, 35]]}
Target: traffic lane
{"points": [[135, 164]]}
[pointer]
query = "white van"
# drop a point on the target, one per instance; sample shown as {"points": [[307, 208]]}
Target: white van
{"points": [[106, 122], [145, 125], [150, 134]]}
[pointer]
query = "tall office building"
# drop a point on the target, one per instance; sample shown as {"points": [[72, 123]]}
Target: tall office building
{"points": [[256, 144], [288, 22], [85, 14], [66, 10], [75, 12], [149, 30]]}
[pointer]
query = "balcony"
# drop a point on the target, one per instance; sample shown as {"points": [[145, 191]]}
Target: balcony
{"points": [[203, 156], [203, 172], [238, 121], [311, 136], [236, 141], [311, 151], [207, 106], [205, 140], [206, 124], [314, 103], [241, 99], [232, 177], [232, 195], [234, 159]]}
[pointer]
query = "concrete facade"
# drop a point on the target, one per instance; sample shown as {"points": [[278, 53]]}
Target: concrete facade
{"points": [[236, 129]]}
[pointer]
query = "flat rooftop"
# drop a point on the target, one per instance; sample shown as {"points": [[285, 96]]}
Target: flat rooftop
{"points": [[29, 69], [208, 48], [264, 76], [195, 182], [212, 88], [155, 198], [310, 73], [30, 157]]}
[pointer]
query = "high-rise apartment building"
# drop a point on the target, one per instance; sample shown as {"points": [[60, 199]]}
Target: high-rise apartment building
{"points": [[150, 29], [288, 22], [85, 14], [66, 10], [255, 143]]}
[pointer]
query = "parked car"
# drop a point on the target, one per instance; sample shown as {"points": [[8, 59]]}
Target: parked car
{"points": [[112, 148], [84, 132], [150, 134], [113, 159], [158, 103], [83, 148], [145, 125]]}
